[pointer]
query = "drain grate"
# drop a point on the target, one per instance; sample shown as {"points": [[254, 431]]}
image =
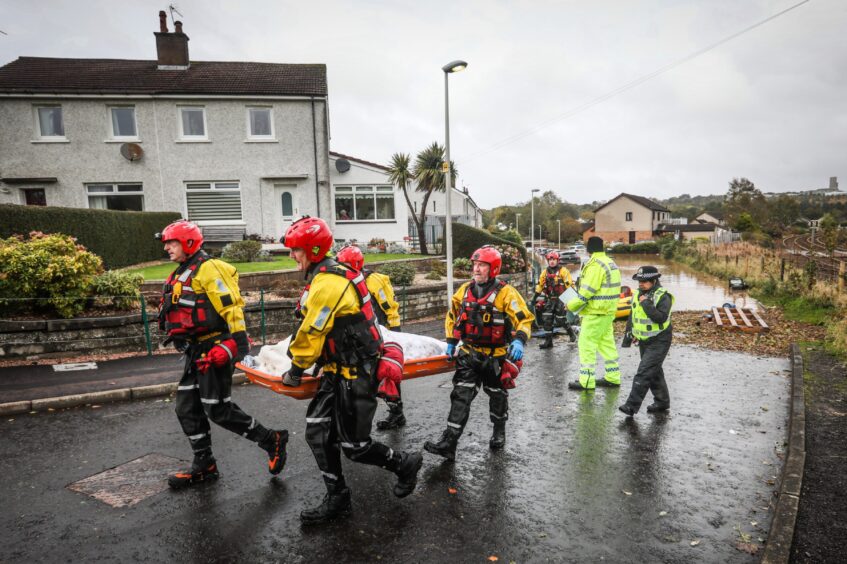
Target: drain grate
{"points": [[130, 483]]}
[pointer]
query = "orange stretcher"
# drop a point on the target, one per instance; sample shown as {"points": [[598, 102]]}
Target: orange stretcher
{"points": [[412, 368]]}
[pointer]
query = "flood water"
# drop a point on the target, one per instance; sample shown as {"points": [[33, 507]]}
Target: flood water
{"points": [[692, 290]]}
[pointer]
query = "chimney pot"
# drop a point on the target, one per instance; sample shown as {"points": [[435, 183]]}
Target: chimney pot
{"points": [[177, 27], [163, 21]]}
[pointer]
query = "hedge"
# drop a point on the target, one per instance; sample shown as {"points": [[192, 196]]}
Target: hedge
{"points": [[467, 239], [120, 238]]}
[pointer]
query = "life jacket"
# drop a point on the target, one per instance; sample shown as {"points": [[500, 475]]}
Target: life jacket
{"points": [[643, 327], [382, 301], [354, 338], [479, 322], [184, 311], [554, 284]]}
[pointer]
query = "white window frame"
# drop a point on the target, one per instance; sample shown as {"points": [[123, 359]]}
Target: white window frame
{"points": [[111, 124], [114, 192], [183, 138], [375, 189], [628, 216], [215, 186], [260, 138], [39, 138]]}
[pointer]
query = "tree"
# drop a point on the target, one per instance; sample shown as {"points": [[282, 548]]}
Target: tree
{"points": [[783, 211], [401, 175], [427, 173], [744, 197], [832, 236]]}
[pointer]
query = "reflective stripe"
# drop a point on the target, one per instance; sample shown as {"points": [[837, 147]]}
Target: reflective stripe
{"points": [[185, 275], [227, 399], [580, 296], [495, 416], [330, 476], [186, 302], [454, 425], [196, 437], [466, 384], [355, 445], [588, 288], [494, 390], [611, 297], [186, 388], [253, 423], [210, 401], [392, 361], [310, 420]]}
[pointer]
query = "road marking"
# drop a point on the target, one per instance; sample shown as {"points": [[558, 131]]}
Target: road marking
{"points": [[73, 366]]}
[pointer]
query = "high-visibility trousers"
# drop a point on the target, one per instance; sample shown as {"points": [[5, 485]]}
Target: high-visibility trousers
{"points": [[597, 334]]}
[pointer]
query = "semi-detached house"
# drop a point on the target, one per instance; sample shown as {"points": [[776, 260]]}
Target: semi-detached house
{"points": [[237, 147]]}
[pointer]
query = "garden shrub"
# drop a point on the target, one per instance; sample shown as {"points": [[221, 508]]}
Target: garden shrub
{"points": [[242, 251], [432, 275], [462, 264], [52, 271], [438, 267], [467, 239], [116, 288], [400, 273]]}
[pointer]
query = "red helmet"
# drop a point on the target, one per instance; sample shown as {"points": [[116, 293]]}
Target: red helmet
{"points": [[552, 255], [187, 233], [311, 234], [491, 255], [352, 256]]}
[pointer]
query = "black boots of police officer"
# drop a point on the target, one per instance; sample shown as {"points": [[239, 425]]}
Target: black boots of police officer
{"points": [[395, 418], [498, 436], [445, 446]]}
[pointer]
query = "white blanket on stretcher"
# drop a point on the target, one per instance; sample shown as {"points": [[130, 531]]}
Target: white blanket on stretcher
{"points": [[272, 359]]}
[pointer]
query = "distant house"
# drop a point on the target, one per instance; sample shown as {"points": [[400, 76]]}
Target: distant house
{"points": [[711, 217], [366, 205], [238, 147], [627, 219]]}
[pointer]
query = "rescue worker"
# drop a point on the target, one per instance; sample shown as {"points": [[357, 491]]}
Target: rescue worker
{"points": [[388, 315], [599, 289], [202, 314], [552, 283], [338, 330], [649, 326], [482, 315]]}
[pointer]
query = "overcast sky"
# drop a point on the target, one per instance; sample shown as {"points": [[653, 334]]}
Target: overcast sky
{"points": [[770, 105]]}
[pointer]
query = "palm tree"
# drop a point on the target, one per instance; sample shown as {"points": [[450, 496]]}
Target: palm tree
{"points": [[427, 172], [400, 174]]}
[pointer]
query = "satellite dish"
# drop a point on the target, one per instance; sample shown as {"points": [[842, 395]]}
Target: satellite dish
{"points": [[132, 151], [342, 165]]}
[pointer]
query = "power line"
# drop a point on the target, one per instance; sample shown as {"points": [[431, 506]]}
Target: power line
{"points": [[629, 85]]}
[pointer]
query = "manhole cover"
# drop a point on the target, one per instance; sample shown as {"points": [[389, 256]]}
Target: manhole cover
{"points": [[132, 482]]}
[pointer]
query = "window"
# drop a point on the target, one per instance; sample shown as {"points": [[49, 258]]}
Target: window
{"points": [[193, 123], [364, 203], [213, 201], [287, 205], [628, 216], [260, 124], [50, 123], [121, 197], [123, 122], [35, 197]]}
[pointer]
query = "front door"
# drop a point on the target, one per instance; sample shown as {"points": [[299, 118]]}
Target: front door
{"points": [[285, 206], [631, 237]]}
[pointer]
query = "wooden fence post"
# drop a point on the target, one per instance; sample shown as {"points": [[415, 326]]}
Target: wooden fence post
{"points": [[782, 270], [841, 272]]}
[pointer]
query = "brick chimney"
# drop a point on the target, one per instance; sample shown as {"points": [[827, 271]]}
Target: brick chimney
{"points": [[171, 48]]}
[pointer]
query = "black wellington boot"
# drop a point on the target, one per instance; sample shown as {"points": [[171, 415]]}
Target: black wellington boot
{"points": [[445, 446], [548, 342], [408, 464], [202, 469], [498, 436], [336, 504], [395, 418]]}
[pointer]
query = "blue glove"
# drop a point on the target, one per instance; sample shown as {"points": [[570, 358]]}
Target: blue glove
{"points": [[451, 351], [516, 350]]}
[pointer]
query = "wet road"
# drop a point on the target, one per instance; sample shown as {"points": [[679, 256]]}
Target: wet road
{"points": [[575, 483]]}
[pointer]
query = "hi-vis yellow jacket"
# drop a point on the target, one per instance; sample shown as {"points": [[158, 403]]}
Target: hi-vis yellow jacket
{"points": [[387, 310], [599, 287], [219, 281], [509, 301], [330, 296]]}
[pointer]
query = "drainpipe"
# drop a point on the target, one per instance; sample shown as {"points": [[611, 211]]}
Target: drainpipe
{"points": [[315, 147]]}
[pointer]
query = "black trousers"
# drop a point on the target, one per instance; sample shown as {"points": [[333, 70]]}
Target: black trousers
{"points": [[203, 397], [472, 371], [553, 313], [339, 419], [651, 375]]}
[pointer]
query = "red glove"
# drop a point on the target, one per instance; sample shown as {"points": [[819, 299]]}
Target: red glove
{"points": [[388, 391], [509, 373], [220, 355], [390, 365]]}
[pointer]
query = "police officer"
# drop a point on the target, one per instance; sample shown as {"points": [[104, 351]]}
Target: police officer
{"points": [[596, 303], [338, 330], [552, 283], [201, 312], [649, 325], [482, 314], [388, 315]]}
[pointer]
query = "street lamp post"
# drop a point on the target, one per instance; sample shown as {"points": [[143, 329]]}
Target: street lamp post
{"points": [[559, 222], [532, 221], [517, 223], [448, 69]]}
